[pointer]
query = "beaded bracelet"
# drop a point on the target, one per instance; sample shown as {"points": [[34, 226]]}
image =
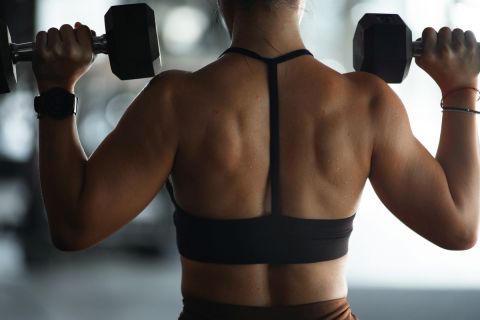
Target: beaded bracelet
{"points": [[459, 109]]}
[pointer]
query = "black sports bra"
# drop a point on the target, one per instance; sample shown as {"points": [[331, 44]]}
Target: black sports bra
{"points": [[270, 239]]}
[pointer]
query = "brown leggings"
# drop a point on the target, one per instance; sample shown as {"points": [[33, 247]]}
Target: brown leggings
{"points": [[196, 309]]}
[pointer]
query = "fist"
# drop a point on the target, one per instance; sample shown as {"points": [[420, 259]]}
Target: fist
{"points": [[62, 56], [451, 58]]}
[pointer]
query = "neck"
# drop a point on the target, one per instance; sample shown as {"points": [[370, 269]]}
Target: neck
{"points": [[267, 32]]}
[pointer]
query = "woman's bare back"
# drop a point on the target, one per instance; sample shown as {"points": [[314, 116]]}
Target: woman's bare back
{"points": [[221, 167]]}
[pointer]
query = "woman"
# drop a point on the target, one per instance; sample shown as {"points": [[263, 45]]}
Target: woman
{"points": [[268, 158]]}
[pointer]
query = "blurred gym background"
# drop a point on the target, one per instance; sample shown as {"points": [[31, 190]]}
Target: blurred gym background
{"points": [[135, 274]]}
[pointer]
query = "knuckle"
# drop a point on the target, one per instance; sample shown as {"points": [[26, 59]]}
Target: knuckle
{"points": [[445, 51], [80, 33], [57, 51], [428, 33], [470, 36], [53, 30], [70, 52], [40, 35], [428, 56], [445, 30], [66, 27], [76, 54], [429, 30], [458, 39], [47, 56], [84, 28]]}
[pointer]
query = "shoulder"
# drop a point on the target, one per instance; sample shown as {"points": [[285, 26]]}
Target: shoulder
{"points": [[371, 85], [155, 105], [383, 103], [163, 90], [167, 83], [387, 116]]}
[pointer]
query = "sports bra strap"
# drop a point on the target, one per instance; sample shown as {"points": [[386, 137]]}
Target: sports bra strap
{"points": [[274, 171], [276, 60]]}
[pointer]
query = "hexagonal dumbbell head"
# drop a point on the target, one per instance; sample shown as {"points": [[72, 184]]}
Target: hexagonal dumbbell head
{"points": [[132, 41], [382, 45], [8, 75]]}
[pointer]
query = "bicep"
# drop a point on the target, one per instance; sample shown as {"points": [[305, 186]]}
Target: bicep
{"points": [[408, 180], [130, 166]]}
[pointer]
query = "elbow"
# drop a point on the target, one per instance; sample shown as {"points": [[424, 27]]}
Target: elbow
{"points": [[72, 233], [68, 245], [459, 233], [69, 239], [463, 240], [466, 242], [467, 235]]}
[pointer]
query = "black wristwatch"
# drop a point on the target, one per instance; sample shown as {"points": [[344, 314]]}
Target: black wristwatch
{"points": [[56, 103]]}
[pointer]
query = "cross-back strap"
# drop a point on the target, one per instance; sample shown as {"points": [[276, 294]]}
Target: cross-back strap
{"points": [[272, 63]]}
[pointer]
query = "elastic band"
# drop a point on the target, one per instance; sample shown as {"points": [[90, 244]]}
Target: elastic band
{"points": [[460, 109], [442, 104]]}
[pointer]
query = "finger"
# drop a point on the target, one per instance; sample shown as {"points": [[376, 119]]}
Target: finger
{"points": [[458, 39], [470, 39], [444, 39], [84, 35], [67, 35], [429, 39], [78, 24], [53, 39], [53, 36], [41, 43]]}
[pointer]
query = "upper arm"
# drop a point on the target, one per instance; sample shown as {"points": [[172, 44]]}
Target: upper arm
{"points": [[131, 165], [408, 180]]}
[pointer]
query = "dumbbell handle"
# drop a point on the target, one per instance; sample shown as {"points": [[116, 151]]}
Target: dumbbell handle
{"points": [[24, 51], [417, 47]]}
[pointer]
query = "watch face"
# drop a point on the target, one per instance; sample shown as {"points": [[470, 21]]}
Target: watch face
{"points": [[59, 103]]}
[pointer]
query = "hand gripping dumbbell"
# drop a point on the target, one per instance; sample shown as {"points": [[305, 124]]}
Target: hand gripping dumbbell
{"points": [[130, 41], [383, 45]]}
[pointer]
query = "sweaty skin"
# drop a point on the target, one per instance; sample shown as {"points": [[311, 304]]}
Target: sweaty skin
{"points": [[210, 130]]}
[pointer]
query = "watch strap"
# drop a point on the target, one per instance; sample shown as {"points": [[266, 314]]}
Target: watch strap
{"points": [[56, 103]]}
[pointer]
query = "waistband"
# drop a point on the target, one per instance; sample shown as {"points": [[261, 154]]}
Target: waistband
{"points": [[197, 309]]}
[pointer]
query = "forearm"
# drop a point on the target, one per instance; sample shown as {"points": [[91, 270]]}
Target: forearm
{"points": [[62, 165], [458, 154]]}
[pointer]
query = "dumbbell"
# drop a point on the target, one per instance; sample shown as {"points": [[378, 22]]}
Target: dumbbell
{"points": [[130, 41], [383, 45]]}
